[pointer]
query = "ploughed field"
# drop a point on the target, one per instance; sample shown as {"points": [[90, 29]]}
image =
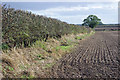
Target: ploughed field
{"points": [[95, 57]]}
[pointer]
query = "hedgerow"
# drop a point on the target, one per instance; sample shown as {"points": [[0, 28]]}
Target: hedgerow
{"points": [[22, 28]]}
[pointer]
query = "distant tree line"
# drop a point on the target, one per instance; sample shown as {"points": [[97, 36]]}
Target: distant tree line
{"points": [[24, 28]]}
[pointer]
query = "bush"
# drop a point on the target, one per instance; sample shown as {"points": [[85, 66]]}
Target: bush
{"points": [[22, 28]]}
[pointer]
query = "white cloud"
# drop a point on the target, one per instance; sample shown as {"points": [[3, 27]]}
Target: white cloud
{"points": [[87, 9], [55, 11], [72, 19], [64, 9]]}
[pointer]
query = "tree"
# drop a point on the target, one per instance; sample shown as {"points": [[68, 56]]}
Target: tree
{"points": [[92, 21], [100, 23]]}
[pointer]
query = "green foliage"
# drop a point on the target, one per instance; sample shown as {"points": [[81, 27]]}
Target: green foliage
{"points": [[40, 44], [79, 37], [39, 55], [9, 68], [92, 21], [4, 46], [27, 77], [4, 72], [84, 36], [62, 48], [22, 28]]}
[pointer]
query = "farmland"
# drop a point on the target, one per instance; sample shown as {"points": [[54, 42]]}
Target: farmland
{"points": [[36, 46], [107, 27], [95, 57]]}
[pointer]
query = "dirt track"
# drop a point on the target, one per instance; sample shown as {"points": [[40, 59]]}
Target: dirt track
{"points": [[95, 57]]}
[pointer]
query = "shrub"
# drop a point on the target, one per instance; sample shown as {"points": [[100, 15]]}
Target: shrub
{"points": [[22, 28]]}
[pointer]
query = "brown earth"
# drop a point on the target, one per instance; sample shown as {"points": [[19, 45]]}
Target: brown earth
{"points": [[95, 57]]}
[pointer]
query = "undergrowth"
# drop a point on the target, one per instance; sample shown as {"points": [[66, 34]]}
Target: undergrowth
{"points": [[41, 56], [84, 36]]}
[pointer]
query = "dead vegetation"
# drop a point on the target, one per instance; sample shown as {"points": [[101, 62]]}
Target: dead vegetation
{"points": [[36, 61]]}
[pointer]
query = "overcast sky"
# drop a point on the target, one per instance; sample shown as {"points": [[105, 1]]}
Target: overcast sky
{"points": [[72, 12]]}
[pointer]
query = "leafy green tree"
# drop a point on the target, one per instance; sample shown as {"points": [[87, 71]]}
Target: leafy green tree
{"points": [[92, 21]]}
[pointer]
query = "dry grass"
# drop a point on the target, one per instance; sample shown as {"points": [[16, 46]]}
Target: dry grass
{"points": [[36, 61]]}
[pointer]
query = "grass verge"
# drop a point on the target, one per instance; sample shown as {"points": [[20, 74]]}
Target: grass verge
{"points": [[37, 60]]}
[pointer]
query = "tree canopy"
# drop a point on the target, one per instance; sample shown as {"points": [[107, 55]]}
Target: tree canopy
{"points": [[92, 21]]}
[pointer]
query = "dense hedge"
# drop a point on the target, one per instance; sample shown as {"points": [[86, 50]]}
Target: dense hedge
{"points": [[24, 28]]}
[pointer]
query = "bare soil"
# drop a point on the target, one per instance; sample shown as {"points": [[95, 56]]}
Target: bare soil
{"points": [[95, 57]]}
